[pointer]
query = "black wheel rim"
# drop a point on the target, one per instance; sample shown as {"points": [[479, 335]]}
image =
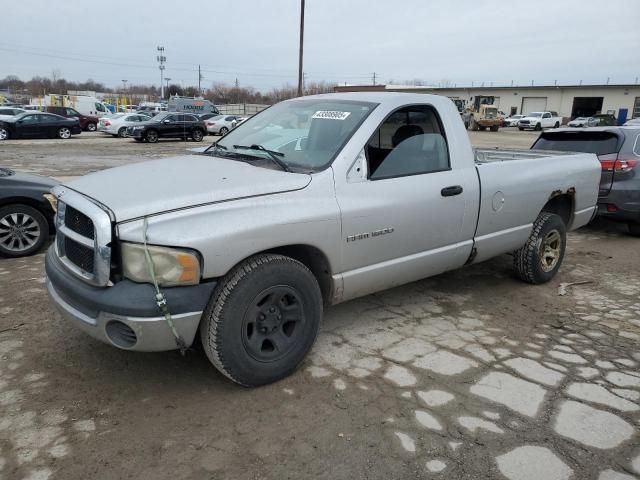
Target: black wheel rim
{"points": [[152, 137], [273, 323]]}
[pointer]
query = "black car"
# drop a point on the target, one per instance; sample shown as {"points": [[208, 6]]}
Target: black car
{"points": [[26, 212], [169, 125], [38, 125]]}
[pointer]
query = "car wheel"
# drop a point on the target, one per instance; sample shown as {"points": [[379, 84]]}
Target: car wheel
{"points": [[262, 319], [23, 230], [557, 125], [634, 229], [122, 132], [64, 133], [540, 258], [91, 127], [4, 133], [151, 136], [538, 126], [494, 128], [521, 128], [197, 135], [224, 131]]}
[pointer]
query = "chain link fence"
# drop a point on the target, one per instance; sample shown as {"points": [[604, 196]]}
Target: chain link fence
{"points": [[241, 108]]}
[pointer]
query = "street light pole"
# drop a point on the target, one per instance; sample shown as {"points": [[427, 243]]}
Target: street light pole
{"points": [[167, 80], [301, 44], [161, 59]]}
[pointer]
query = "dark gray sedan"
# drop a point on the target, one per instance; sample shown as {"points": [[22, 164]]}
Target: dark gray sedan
{"points": [[618, 149], [26, 212]]}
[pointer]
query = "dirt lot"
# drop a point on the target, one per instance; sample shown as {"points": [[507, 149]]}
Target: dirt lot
{"points": [[469, 375]]}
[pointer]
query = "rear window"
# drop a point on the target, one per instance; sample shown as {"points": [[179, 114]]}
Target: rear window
{"points": [[600, 143]]}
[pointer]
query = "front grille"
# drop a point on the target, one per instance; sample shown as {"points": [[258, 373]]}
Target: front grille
{"points": [[79, 222], [79, 255]]}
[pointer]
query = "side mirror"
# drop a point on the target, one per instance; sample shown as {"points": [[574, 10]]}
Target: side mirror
{"points": [[166, 121]]}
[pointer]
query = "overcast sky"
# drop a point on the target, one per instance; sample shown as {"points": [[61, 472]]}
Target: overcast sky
{"points": [[256, 41]]}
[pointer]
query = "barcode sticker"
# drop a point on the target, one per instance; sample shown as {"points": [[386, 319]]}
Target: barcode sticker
{"points": [[331, 115]]}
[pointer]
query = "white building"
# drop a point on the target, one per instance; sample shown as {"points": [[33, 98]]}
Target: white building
{"points": [[569, 101]]}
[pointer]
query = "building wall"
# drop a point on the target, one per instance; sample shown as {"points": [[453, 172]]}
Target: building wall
{"points": [[559, 99]]}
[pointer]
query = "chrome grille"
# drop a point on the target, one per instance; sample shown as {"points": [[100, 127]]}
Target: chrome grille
{"points": [[83, 237]]}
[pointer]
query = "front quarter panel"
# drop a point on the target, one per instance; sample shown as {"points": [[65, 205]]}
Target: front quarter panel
{"points": [[226, 233]]}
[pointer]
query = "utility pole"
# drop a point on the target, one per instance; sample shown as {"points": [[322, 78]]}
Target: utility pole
{"points": [[161, 59], [200, 77], [301, 44], [373, 78], [237, 83], [124, 85], [167, 80]]}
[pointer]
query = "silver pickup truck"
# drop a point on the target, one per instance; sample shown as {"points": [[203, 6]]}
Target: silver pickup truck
{"points": [[312, 202]]}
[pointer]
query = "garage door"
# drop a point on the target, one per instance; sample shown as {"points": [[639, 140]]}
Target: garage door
{"points": [[533, 104]]}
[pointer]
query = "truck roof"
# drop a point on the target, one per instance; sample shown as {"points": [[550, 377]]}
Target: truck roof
{"points": [[387, 98]]}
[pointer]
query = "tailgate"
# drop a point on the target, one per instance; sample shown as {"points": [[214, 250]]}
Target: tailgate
{"points": [[605, 144]]}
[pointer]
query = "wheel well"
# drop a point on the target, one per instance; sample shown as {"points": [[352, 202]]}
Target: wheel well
{"points": [[32, 203], [562, 205], [315, 260]]}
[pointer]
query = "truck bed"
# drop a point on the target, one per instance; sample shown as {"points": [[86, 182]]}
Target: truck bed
{"points": [[488, 155]]}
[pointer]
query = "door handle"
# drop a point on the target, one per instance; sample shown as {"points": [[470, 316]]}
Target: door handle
{"points": [[451, 191]]}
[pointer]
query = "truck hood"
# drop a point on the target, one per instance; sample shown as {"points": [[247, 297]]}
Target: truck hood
{"points": [[158, 186]]}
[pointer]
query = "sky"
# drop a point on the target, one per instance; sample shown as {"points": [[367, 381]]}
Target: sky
{"points": [[454, 42]]}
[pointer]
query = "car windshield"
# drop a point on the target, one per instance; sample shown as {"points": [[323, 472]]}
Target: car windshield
{"points": [[534, 114], [600, 143], [305, 133]]}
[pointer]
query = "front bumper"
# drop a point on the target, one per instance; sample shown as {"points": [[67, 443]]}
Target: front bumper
{"points": [[135, 133], [125, 315]]}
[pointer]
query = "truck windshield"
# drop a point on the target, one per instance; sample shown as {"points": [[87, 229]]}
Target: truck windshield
{"points": [[305, 133], [600, 143]]}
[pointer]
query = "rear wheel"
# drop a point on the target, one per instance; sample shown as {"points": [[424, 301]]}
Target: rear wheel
{"points": [[197, 135], [262, 319], [64, 133], [634, 229], [23, 230], [91, 127], [151, 136], [4, 133], [557, 125], [540, 258], [224, 131], [122, 132]]}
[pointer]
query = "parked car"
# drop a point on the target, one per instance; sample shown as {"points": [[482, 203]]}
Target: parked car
{"points": [[618, 149], [604, 120], [582, 122], [512, 121], [26, 212], [117, 125], [207, 116], [222, 124], [633, 122], [149, 113], [87, 122], [540, 120], [168, 125], [315, 201], [8, 112], [38, 125]]}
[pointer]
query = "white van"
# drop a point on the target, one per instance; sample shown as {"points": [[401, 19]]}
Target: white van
{"points": [[84, 104]]}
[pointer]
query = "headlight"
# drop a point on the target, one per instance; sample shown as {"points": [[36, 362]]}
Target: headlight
{"points": [[138, 127], [171, 266]]}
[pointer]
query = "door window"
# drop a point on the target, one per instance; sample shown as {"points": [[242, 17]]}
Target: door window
{"points": [[410, 141], [546, 115], [30, 119]]}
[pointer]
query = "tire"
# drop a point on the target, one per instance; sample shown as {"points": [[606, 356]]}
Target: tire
{"points": [[540, 258], [122, 132], [4, 134], [494, 128], [224, 131], [538, 127], [634, 229], [197, 135], [557, 125], [243, 332], [520, 128], [91, 127], [30, 238], [64, 133], [151, 136]]}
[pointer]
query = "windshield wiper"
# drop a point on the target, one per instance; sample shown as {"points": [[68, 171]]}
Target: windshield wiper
{"points": [[213, 147], [273, 155]]}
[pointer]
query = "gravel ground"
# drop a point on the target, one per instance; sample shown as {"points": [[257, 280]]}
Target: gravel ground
{"points": [[468, 375]]}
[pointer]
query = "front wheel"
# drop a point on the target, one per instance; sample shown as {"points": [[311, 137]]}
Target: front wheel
{"points": [[151, 136], [64, 133], [197, 135], [521, 128], [91, 127], [494, 128], [23, 230], [538, 127], [540, 258], [262, 319], [4, 133]]}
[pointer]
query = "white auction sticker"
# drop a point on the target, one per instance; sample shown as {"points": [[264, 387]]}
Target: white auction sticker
{"points": [[331, 115]]}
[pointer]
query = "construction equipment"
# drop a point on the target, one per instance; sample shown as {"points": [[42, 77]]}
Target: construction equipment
{"points": [[482, 115]]}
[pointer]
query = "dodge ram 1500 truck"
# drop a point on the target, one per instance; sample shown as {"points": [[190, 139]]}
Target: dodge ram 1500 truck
{"points": [[312, 202]]}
